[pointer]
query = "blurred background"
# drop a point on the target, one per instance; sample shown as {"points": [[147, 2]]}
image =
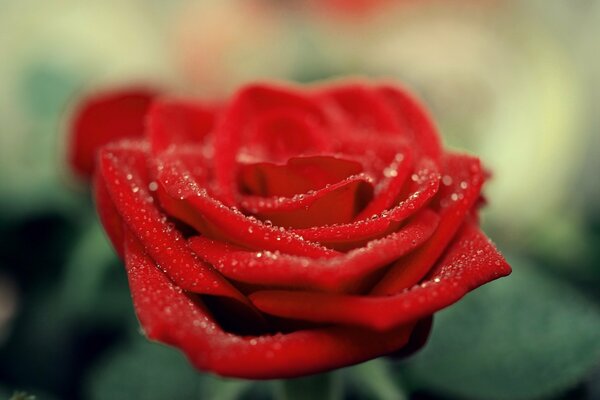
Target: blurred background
{"points": [[516, 82]]}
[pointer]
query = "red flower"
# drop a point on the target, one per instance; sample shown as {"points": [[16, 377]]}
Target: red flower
{"points": [[289, 231]]}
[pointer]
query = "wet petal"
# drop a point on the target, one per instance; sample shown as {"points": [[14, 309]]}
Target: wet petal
{"points": [[424, 186], [108, 214], [388, 190], [470, 262], [169, 315], [461, 185], [343, 273], [332, 204], [123, 172], [184, 199]]}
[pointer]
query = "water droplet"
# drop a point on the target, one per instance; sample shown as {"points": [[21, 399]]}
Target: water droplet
{"points": [[390, 172]]}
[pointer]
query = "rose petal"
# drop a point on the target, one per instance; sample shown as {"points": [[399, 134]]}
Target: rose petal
{"points": [[424, 186], [109, 215], [418, 339], [362, 109], [388, 190], [280, 134], [122, 168], [178, 122], [105, 118], [297, 175], [458, 193], [470, 262], [232, 132], [169, 315], [413, 120], [184, 199], [343, 273], [333, 204]]}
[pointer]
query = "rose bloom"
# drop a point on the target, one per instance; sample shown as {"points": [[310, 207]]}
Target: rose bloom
{"points": [[286, 231]]}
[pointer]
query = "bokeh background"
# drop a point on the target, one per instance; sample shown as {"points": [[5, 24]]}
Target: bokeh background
{"points": [[516, 82]]}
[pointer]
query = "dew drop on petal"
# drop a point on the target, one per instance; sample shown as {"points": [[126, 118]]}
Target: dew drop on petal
{"points": [[390, 172], [447, 180]]}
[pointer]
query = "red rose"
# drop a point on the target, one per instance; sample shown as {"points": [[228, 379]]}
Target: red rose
{"points": [[287, 231]]}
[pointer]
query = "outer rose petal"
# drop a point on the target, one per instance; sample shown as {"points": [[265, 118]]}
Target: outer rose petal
{"points": [[470, 262], [109, 215], [178, 122], [123, 175], [169, 315], [105, 118]]}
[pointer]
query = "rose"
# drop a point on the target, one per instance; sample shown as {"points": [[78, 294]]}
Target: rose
{"points": [[287, 231]]}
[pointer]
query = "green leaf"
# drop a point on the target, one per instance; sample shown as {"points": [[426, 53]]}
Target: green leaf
{"points": [[526, 336], [328, 386], [151, 371], [373, 380]]}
